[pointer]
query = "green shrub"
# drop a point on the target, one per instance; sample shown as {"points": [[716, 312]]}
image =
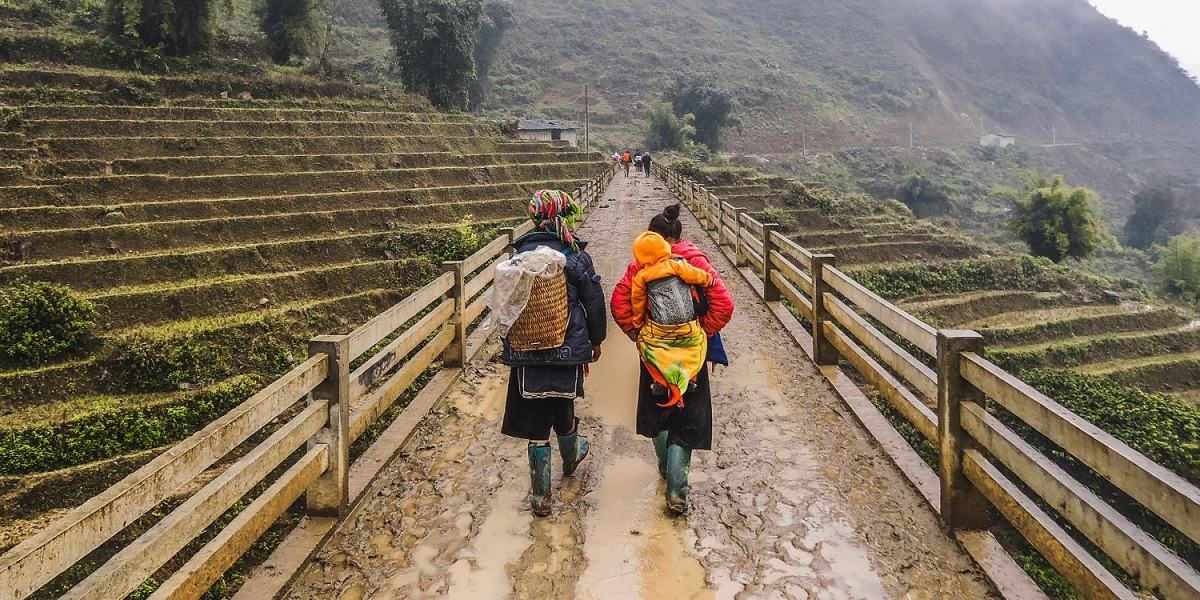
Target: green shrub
{"points": [[798, 194], [40, 321], [141, 363], [1058, 221], [10, 119], [1178, 267], [687, 168], [116, 432], [1164, 428], [455, 243], [178, 27]]}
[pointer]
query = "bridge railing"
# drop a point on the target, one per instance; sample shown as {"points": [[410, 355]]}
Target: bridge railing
{"points": [[982, 462], [324, 406]]}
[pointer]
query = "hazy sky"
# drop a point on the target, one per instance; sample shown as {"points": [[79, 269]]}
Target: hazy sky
{"points": [[1172, 24]]}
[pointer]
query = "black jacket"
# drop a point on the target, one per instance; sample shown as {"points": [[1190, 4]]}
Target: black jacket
{"points": [[587, 323]]}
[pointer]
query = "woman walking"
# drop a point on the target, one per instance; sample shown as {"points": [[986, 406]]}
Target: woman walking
{"points": [[676, 428], [545, 382]]}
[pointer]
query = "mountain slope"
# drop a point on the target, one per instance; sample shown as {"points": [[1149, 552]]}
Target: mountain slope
{"points": [[852, 72]]}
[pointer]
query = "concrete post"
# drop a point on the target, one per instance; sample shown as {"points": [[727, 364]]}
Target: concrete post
{"points": [[963, 506], [455, 355], [770, 290], [823, 351], [329, 495], [739, 250]]}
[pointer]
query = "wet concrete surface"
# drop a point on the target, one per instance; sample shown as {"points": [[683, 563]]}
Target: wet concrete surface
{"points": [[794, 501]]}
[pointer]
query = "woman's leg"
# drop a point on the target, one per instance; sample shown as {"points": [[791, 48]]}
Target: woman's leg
{"points": [[571, 447]]}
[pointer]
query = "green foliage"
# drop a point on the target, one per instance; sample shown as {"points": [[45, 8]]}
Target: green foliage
{"points": [[495, 21], [434, 42], [1178, 267], [455, 243], [116, 432], [1058, 222], [41, 321], [292, 27], [142, 363], [1157, 216], [687, 168], [1024, 273], [710, 106], [922, 195], [798, 194], [667, 131], [177, 27], [1164, 428], [10, 119]]}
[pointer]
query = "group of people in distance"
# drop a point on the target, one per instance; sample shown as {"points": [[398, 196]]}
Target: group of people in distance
{"points": [[639, 159], [671, 303]]}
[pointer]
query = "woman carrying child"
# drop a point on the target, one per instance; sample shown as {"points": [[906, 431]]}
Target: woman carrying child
{"points": [[674, 401]]}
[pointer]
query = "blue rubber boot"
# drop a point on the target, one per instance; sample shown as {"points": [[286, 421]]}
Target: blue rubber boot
{"points": [[660, 450], [573, 450], [539, 478], [679, 460]]}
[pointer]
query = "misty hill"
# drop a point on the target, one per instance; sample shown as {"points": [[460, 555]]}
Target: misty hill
{"points": [[851, 72]]}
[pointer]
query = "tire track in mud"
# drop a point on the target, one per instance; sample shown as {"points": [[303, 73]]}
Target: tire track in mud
{"points": [[794, 501]]}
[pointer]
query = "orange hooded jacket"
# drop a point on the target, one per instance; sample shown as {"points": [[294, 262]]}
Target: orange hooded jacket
{"points": [[653, 252]]}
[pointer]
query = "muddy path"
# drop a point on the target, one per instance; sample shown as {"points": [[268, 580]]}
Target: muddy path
{"points": [[794, 501]]}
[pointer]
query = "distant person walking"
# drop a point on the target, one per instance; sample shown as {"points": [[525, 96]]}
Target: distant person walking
{"points": [[646, 163], [637, 160], [626, 160]]}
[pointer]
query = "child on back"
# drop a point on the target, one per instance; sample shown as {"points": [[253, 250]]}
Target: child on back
{"points": [[653, 252], [672, 351]]}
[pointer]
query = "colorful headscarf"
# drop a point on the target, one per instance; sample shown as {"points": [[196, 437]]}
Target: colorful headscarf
{"points": [[554, 211]]}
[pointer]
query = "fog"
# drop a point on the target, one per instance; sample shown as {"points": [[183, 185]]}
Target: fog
{"points": [[1170, 23]]}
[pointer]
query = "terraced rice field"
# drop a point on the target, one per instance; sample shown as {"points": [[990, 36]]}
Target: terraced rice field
{"points": [[214, 238], [1030, 318]]}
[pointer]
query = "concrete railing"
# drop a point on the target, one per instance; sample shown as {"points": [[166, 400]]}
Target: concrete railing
{"points": [[948, 405], [324, 406]]}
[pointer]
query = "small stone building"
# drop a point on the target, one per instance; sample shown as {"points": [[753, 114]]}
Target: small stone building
{"points": [[548, 130], [996, 140]]}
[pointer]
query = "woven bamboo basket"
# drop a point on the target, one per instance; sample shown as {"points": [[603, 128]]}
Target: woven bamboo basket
{"points": [[543, 323]]}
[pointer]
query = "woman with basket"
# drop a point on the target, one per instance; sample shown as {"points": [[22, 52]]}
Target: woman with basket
{"points": [[558, 332], [677, 425]]}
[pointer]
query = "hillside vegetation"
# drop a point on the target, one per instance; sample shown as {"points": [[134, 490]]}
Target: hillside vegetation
{"points": [[854, 71]]}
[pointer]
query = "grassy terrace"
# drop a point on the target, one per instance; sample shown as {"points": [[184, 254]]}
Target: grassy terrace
{"points": [[1032, 315], [214, 238]]}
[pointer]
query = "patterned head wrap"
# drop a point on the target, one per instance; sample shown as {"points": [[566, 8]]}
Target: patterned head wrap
{"points": [[554, 211]]}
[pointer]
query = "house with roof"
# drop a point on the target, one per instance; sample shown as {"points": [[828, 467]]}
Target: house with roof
{"points": [[548, 130], [996, 140]]}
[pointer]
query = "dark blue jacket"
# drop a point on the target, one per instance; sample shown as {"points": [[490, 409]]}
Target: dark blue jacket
{"points": [[587, 323]]}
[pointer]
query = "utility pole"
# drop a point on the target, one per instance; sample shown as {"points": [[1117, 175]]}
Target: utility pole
{"points": [[910, 135], [1054, 134], [587, 139]]}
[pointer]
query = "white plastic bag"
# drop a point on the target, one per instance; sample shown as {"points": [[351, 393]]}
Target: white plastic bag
{"points": [[514, 280]]}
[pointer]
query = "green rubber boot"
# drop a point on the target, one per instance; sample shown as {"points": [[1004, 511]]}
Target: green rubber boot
{"points": [[660, 450], [539, 478], [679, 460], [573, 450]]}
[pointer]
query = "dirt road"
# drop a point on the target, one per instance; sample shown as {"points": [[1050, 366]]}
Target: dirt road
{"points": [[793, 502]]}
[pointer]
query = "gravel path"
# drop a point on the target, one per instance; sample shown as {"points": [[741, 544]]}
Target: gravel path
{"points": [[794, 501]]}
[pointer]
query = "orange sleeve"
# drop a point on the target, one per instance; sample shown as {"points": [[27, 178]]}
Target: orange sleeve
{"points": [[637, 297], [691, 274]]}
